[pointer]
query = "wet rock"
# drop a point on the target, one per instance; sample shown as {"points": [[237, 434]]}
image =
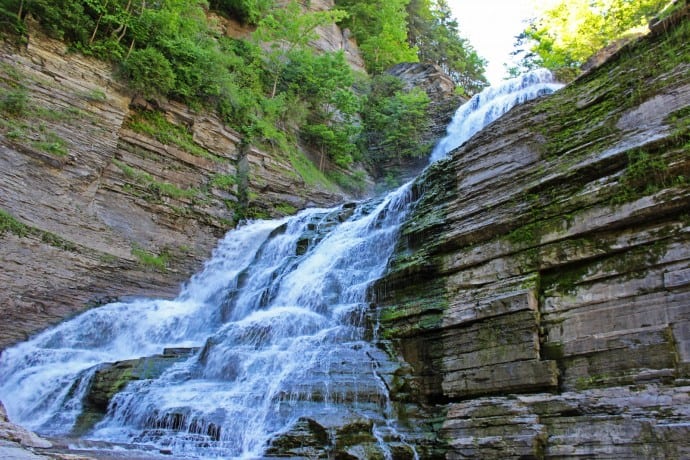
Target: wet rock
{"points": [[14, 434], [112, 378], [538, 291]]}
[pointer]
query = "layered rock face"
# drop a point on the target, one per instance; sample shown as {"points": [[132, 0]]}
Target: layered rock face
{"points": [[540, 291], [94, 208]]}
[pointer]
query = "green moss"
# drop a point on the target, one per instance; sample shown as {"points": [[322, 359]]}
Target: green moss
{"points": [[526, 235], [255, 212], [8, 223], [646, 174], [631, 264], [14, 73], [150, 260], [58, 242], [155, 188], [155, 124], [308, 171], [285, 209], [96, 95], [14, 102], [53, 144], [564, 280], [224, 181], [408, 314], [592, 381], [172, 191], [601, 97]]}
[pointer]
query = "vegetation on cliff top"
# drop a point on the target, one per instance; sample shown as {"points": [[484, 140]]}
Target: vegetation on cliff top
{"points": [[564, 36], [273, 88]]}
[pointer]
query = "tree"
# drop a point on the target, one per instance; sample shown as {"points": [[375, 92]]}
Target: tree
{"points": [[563, 37], [288, 29], [324, 82], [380, 27], [149, 73], [394, 120], [246, 11], [434, 31]]}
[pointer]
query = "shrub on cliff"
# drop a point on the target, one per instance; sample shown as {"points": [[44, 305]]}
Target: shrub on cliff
{"points": [[149, 73], [246, 11], [566, 34], [394, 120]]}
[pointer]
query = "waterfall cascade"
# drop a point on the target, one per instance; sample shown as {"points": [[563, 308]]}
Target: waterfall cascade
{"points": [[275, 327], [487, 106]]}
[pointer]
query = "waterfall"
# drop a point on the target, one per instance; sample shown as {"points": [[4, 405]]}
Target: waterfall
{"points": [[487, 106], [272, 330]]}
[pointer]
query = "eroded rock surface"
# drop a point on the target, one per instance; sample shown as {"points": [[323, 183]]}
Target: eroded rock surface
{"points": [[540, 290]]}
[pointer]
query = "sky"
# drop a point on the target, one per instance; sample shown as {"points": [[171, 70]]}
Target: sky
{"points": [[491, 27]]}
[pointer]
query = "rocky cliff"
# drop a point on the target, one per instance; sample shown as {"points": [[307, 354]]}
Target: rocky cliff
{"points": [[540, 292], [538, 302], [102, 196]]}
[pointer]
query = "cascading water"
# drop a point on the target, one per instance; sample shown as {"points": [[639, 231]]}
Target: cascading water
{"points": [[487, 106], [274, 325]]}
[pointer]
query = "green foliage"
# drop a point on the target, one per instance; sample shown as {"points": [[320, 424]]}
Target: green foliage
{"points": [[647, 173], [567, 34], [63, 19], [157, 126], [355, 183], [335, 141], [286, 209], [274, 89], [224, 181], [150, 260], [52, 143], [391, 32], [11, 13], [14, 102], [380, 27], [324, 84], [154, 188], [148, 72], [309, 173], [8, 223], [394, 120], [289, 29], [246, 11], [434, 31]]}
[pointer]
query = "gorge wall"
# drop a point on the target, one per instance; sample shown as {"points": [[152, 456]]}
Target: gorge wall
{"points": [[95, 208], [540, 292], [539, 297]]}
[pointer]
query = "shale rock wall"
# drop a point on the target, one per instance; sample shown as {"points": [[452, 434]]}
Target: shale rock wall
{"points": [[93, 209], [540, 293]]}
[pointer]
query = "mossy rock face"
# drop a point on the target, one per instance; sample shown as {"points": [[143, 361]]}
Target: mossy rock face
{"points": [[352, 440], [306, 438], [112, 378]]}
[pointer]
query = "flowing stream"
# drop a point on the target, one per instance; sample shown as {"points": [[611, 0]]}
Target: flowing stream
{"points": [[272, 330]]}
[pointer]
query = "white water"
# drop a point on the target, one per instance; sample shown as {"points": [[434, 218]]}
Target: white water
{"points": [[487, 106], [280, 331]]}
